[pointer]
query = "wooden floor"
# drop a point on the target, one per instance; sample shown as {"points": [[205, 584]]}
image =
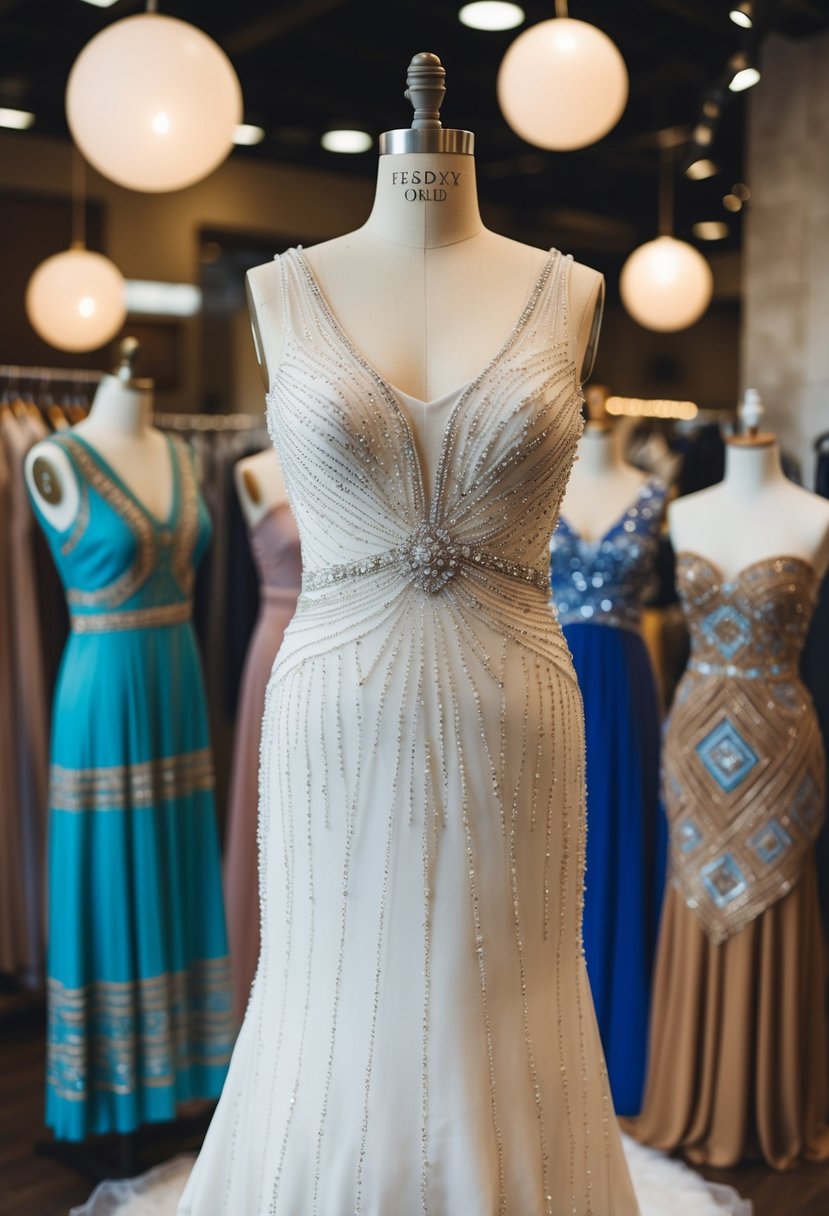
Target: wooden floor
{"points": [[33, 1185]]}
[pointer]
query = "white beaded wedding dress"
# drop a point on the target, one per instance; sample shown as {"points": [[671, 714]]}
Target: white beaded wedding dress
{"points": [[420, 1038]]}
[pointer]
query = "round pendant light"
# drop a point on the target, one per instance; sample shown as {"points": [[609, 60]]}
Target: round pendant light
{"points": [[75, 300], [666, 284], [153, 103], [562, 84]]}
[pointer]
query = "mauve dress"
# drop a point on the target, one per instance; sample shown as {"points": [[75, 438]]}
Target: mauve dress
{"points": [[275, 543]]}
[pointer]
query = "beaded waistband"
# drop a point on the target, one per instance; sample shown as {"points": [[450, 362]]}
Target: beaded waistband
{"points": [[430, 557], [787, 670], [614, 620], [133, 618]]}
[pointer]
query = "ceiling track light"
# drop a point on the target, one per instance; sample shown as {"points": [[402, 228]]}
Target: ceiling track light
{"points": [[743, 15], [698, 167], [743, 72], [491, 15], [16, 120]]}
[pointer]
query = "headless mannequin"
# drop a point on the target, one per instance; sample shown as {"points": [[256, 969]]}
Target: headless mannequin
{"points": [[118, 427], [602, 484], [260, 484], [754, 513], [423, 290]]}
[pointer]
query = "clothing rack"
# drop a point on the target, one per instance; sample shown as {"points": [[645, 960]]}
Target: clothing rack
{"points": [[13, 372], [209, 422]]}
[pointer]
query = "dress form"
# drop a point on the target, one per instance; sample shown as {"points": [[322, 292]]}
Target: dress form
{"points": [[754, 513], [423, 290], [602, 484], [260, 484], [119, 427]]}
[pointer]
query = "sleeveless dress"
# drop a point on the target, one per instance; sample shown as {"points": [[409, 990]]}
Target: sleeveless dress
{"points": [[275, 544], [738, 1064], [420, 1038], [598, 587], [139, 1011]]}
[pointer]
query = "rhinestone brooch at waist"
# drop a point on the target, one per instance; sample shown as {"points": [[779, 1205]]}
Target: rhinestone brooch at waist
{"points": [[430, 557]]}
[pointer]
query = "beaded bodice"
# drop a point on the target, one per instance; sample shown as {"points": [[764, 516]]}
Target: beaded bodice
{"points": [[603, 582], [751, 626], [743, 759], [122, 567], [354, 462]]}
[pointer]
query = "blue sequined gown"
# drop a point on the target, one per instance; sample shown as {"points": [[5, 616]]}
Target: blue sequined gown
{"points": [[139, 1012], [597, 589]]}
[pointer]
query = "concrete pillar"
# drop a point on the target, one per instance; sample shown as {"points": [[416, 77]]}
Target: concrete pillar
{"points": [[785, 349]]}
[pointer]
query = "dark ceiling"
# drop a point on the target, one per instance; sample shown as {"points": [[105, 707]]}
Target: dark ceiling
{"points": [[306, 65]]}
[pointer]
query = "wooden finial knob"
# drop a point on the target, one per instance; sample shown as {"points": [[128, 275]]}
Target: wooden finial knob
{"points": [[127, 354], [426, 90]]}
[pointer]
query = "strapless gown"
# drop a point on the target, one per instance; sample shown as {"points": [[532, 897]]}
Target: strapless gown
{"points": [[598, 588], [738, 1064], [275, 545], [420, 1036]]}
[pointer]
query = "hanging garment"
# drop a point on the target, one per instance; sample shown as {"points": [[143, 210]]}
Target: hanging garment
{"points": [[139, 1009], [598, 588], [30, 728], [16, 944], [275, 543], [738, 1044], [219, 625], [420, 1037]]}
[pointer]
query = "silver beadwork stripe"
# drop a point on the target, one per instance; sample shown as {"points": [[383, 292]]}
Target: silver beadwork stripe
{"points": [[468, 557]]}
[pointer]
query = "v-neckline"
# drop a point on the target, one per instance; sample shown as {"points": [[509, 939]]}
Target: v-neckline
{"points": [[107, 469], [428, 504], [611, 528], [460, 389]]}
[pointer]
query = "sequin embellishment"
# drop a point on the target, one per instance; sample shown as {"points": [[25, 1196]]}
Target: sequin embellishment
{"points": [[743, 760]]}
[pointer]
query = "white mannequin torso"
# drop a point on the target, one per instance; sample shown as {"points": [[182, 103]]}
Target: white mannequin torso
{"points": [[753, 514], [260, 484], [602, 484], [425, 293], [119, 428]]}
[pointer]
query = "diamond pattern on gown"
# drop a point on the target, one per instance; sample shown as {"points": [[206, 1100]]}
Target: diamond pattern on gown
{"points": [[727, 629], [743, 758], [726, 755]]}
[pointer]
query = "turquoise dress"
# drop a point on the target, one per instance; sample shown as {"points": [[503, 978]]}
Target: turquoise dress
{"points": [[139, 999]]}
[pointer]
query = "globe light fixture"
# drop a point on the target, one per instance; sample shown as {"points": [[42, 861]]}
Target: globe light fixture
{"points": [[75, 300], [562, 84], [153, 103], [666, 284]]}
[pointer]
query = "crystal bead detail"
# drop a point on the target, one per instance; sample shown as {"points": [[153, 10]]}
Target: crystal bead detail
{"points": [[431, 556]]}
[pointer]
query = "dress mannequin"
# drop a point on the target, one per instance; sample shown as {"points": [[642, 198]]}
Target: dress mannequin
{"points": [[119, 427], [766, 514], [366, 1069], [602, 484], [129, 959], [603, 555], [259, 484], [738, 979], [423, 290]]}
